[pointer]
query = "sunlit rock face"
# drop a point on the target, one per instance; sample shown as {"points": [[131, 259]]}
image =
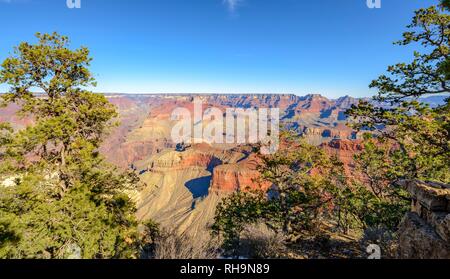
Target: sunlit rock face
{"points": [[425, 231], [241, 176], [184, 186], [146, 122], [345, 151], [178, 188]]}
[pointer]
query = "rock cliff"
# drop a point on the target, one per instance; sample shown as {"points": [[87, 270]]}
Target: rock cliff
{"points": [[240, 176], [425, 231]]}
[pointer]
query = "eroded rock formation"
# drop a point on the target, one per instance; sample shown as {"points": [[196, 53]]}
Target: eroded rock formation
{"points": [[345, 150], [425, 231], [241, 176]]}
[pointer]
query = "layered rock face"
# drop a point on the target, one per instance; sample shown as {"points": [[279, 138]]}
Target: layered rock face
{"points": [[146, 124], [339, 132], [319, 119], [183, 188], [345, 150], [231, 178], [240, 176], [178, 192], [425, 231], [189, 158]]}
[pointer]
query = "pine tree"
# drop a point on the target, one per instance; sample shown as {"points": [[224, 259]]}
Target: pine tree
{"points": [[61, 200]]}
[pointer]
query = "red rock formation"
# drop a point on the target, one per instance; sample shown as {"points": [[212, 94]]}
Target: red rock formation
{"points": [[181, 160], [345, 150], [149, 116], [341, 132], [9, 114], [314, 104], [238, 177], [128, 153]]}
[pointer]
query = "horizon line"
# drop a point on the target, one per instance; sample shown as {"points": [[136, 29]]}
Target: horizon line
{"points": [[215, 93]]}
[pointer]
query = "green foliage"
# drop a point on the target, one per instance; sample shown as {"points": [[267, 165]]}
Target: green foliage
{"points": [[423, 75], [236, 211], [301, 180], [301, 186], [5, 137], [413, 140], [310, 191], [151, 232], [422, 133], [359, 208], [373, 200], [382, 164], [61, 200], [44, 227]]}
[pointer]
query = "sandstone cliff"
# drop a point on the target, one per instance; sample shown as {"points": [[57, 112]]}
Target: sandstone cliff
{"points": [[425, 231], [240, 176], [178, 192], [146, 122]]}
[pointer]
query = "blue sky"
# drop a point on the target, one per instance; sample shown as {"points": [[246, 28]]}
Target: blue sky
{"points": [[331, 47]]}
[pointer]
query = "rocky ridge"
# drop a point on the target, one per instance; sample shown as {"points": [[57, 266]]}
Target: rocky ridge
{"points": [[425, 231]]}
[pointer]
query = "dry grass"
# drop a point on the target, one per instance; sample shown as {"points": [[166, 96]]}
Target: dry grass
{"points": [[171, 245], [260, 242]]}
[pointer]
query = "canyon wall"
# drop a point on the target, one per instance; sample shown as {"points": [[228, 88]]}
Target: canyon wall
{"points": [[241, 176]]}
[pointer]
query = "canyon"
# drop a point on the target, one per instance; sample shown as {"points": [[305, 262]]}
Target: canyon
{"points": [[185, 183], [146, 122]]}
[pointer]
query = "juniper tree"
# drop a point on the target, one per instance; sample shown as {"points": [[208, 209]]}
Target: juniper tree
{"points": [[422, 133], [63, 200]]}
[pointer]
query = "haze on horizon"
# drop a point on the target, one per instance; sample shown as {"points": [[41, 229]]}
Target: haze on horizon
{"points": [[327, 47]]}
